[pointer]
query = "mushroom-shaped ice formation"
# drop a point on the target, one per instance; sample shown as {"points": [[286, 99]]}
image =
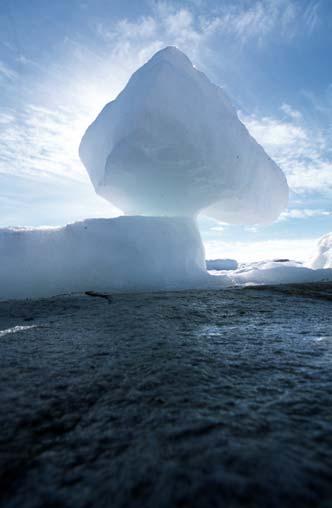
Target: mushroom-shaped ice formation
{"points": [[171, 144]]}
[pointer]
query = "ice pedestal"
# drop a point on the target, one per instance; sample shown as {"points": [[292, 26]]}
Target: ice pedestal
{"points": [[121, 254]]}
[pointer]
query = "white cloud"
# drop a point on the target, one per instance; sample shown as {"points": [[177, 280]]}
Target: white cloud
{"points": [[271, 132], [290, 112], [311, 16], [256, 20], [304, 213], [301, 152], [219, 228], [6, 72], [192, 29]]}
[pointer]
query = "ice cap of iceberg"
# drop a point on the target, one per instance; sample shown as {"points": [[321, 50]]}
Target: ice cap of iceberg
{"points": [[171, 144]]}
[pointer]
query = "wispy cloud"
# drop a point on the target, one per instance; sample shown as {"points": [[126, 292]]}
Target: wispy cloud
{"points": [[301, 151], [193, 29], [311, 16], [38, 141], [256, 20], [6, 72], [304, 213], [291, 112]]}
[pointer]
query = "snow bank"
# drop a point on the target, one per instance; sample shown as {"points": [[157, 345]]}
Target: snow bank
{"points": [[270, 272], [323, 258], [122, 254], [171, 144], [221, 264], [125, 254]]}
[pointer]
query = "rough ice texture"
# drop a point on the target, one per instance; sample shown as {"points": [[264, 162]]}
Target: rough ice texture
{"points": [[221, 264], [171, 144], [122, 254], [323, 257], [174, 400]]}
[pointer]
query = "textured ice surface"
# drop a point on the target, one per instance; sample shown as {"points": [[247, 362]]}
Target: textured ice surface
{"points": [[171, 144], [122, 254], [199, 399], [323, 258]]}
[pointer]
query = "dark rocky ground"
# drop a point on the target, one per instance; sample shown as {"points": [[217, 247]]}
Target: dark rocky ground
{"points": [[193, 399]]}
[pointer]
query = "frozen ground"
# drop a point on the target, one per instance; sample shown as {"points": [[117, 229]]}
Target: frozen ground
{"points": [[190, 399]]}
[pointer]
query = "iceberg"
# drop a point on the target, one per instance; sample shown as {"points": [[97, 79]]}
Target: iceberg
{"points": [[168, 147], [121, 254], [172, 144]]}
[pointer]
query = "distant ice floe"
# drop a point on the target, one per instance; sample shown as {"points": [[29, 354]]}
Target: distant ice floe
{"points": [[318, 269], [271, 272], [221, 264], [323, 256]]}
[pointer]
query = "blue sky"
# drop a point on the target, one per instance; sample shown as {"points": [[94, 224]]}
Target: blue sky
{"points": [[60, 62]]}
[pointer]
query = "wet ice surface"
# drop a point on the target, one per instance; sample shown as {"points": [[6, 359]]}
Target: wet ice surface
{"points": [[189, 399]]}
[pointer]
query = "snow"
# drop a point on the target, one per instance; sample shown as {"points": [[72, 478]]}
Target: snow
{"points": [[221, 264], [121, 254], [171, 144], [127, 254], [271, 272], [323, 257]]}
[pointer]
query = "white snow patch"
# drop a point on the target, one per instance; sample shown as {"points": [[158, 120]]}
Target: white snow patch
{"points": [[271, 272], [323, 257]]}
